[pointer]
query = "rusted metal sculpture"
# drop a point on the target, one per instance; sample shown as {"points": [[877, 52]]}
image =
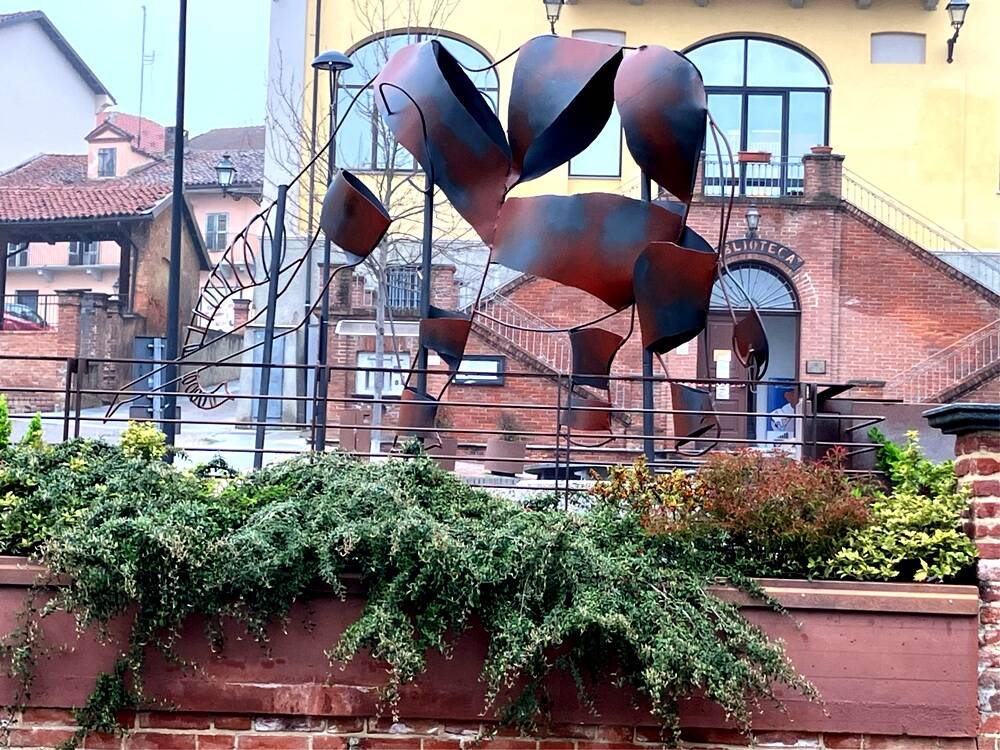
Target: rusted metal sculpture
{"points": [[622, 251]]}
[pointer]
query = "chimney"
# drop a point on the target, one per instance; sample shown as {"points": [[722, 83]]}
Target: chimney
{"points": [[169, 138]]}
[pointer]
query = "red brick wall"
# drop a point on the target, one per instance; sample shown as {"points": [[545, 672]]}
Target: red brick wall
{"points": [[178, 731]]}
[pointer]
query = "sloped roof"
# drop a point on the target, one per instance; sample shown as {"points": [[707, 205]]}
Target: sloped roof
{"points": [[148, 136], [9, 19], [231, 139], [83, 201], [46, 170], [199, 169]]}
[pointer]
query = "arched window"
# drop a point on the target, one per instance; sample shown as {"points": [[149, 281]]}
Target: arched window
{"points": [[765, 96], [364, 143], [768, 289]]}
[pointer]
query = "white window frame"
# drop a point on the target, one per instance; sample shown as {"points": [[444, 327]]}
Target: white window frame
{"points": [[88, 253], [17, 255], [392, 383], [212, 235]]}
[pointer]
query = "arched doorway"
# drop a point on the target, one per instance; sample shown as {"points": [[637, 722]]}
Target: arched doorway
{"points": [[775, 298]]}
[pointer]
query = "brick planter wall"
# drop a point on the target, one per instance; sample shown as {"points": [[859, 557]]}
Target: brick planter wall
{"points": [[976, 428], [168, 731]]}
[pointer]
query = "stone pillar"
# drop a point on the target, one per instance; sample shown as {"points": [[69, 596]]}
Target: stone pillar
{"points": [[823, 175], [976, 428]]}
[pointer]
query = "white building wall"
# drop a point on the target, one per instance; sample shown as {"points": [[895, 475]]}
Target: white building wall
{"points": [[47, 107]]}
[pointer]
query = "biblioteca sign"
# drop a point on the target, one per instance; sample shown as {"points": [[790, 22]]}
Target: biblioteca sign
{"points": [[773, 250]]}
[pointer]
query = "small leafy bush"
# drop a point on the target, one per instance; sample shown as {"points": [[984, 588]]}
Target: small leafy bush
{"points": [[767, 515], [144, 440], [916, 531], [5, 423], [33, 435]]}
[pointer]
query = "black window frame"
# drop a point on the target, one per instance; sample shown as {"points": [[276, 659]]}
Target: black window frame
{"points": [[348, 91], [103, 155], [786, 182], [482, 379]]}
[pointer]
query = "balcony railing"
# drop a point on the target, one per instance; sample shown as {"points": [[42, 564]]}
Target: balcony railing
{"points": [[773, 179], [36, 312]]}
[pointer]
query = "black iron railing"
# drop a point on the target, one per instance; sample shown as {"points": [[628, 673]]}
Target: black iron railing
{"points": [[76, 403]]}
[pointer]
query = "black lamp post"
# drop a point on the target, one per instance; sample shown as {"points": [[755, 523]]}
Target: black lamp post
{"points": [[334, 63], [225, 173], [753, 222], [552, 9], [956, 11]]}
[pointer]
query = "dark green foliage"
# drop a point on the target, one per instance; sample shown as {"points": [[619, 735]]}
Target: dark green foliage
{"points": [[5, 423], [592, 593]]}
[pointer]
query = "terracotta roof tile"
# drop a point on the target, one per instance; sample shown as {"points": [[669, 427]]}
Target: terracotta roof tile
{"points": [[152, 134], [78, 201], [238, 139], [47, 169], [199, 168]]}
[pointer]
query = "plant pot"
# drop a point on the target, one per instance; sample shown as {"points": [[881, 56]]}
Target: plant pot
{"points": [[448, 448], [755, 157], [508, 456], [821, 149]]}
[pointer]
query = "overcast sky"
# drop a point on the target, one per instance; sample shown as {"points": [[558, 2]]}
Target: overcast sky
{"points": [[226, 54]]}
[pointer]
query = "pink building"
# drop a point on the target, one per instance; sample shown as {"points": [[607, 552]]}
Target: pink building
{"points": [[128, 152]]}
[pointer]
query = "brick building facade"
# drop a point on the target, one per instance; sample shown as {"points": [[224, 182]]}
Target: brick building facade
{"points": [[864, 305]]}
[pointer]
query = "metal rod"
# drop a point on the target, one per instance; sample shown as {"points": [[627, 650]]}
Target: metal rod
{"points": [[425, 277], [648, 443], [177, 205], [5, 258], [323, 346], [274, 272]]}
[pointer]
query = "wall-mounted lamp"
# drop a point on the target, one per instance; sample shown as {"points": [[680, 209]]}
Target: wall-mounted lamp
{"points": [[552, 9], [956, 11], [225, 173], [753, 222]]}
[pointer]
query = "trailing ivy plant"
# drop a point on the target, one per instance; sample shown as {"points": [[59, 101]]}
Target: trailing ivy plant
{"points": [[590, 593], [916, 530]]}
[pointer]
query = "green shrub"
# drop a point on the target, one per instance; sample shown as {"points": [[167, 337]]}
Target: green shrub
{"points": [[144, 440], [590, 593], [32, 437], [5, 423], [916, 531]]}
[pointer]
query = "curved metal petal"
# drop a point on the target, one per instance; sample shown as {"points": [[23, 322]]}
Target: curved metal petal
{"points": [[561, 97], [587, 414], [750, 344], [594, 350], [673, 286], [588, 241], [353, 218], [416, 410], [663, 105], [703, 420], [436, 112], [446, 332]]}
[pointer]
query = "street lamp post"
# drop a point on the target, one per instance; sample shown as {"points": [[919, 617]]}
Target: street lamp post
{"points": [[174, 278], [334, 63], [225, 173]]}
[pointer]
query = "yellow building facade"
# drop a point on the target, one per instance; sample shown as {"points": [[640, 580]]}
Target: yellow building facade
{"points": [[867, 77]]}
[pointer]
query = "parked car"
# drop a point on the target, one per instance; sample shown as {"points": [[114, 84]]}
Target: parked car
{"points": [[22, 318]]}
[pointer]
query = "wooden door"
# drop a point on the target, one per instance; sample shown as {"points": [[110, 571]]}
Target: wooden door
{"points": [[717, 360]]}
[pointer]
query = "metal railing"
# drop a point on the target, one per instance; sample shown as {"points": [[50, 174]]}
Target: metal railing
{"points": [[908, 222], [927, 381], [772, 179], [75, 404], [37, 312], [507, 319]]}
